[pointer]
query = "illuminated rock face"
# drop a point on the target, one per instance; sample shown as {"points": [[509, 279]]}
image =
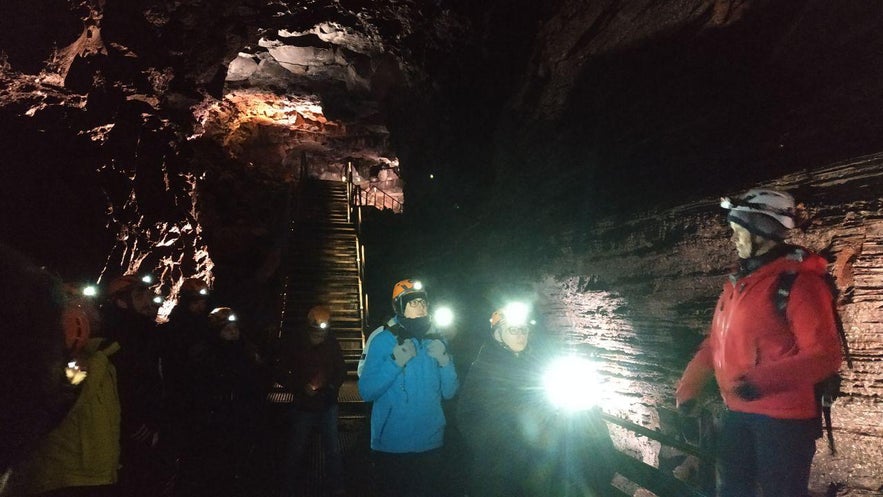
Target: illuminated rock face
{"points": [[638, 294]]}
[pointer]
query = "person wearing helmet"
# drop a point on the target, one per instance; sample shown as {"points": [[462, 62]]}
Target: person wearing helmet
{"points": [[129, 318], [226, 402], [767, 352], [407, 372], [313, 369], [35, 392], [502, 412], [62, 464], [187, 326], [132, 292], [495, 402]]}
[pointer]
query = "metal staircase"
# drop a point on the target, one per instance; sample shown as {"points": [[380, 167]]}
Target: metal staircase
{"points": [[324, 266]]}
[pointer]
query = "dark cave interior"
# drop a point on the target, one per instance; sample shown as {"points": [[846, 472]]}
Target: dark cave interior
{"points": [[528, 141]]}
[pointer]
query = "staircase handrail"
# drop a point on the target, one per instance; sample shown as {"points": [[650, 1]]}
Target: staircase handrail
{"points": [[388, 201], [354, 216], [655, 480], [297, 191]]}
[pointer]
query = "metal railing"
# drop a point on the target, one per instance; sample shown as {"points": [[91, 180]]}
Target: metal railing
{"points": [[297, 192], [379, 199], [354, 215], [662, 483]]}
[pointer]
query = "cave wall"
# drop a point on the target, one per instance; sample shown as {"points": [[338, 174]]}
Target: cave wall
{"points": [[627, 105], [638, 292]]}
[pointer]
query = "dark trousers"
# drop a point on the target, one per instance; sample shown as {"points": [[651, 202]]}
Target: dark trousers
{"points": [[302, 425], [772, 454], [412, 474]]}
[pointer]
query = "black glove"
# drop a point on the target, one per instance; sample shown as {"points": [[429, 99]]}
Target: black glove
{"points": [[746, 390], [687, 408]]}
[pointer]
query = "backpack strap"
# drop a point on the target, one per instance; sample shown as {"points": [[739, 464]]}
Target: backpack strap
{"points": [[398, 331], [828, 389], [826, 392], [783, 292], [829, 430], [835, 293]]}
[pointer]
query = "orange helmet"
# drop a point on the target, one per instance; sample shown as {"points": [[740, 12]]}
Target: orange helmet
{"points": [[220, 317], [404, 291], [76, 327], [496, 317], [194, 288], [319, 317]]}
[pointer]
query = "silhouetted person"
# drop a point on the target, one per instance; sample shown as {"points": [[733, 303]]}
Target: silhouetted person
{"points": [[129, 318], [226, 402], [313, 369], [36, 394], [519, 444]]}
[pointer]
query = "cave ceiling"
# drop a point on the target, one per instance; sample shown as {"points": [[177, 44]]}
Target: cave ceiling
{"points": [[476, 106]]}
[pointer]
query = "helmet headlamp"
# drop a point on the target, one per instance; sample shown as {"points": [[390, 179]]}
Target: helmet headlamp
{"points": [[516, 314]]}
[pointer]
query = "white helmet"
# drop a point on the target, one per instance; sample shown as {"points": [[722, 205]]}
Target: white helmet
{"points": [[775, 204]]}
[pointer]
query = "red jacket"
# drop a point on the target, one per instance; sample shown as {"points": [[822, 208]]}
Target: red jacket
{"points": [[750, 340]]}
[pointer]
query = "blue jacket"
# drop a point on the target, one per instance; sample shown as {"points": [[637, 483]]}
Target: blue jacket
{"points": [[407, 413]]}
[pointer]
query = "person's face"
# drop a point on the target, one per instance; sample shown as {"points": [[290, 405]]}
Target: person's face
{"points": [[142, 303], [197, 306], [230, 332], [317, 335], [742, 239], [514, 337], [416, 308]]}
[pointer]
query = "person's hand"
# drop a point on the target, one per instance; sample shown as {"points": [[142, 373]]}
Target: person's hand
{"points": [[438, 351], [403, 353], [687, 408], [746, 390], [310, 389]]}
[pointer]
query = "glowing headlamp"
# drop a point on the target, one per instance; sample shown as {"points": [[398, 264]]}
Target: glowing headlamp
{"points": [[90, 291], [203, 291], [157, 299], [418, 285], [74, 374], [231, 318], [443, 317], [516, 314], [323, 325], [572, 384], [147, 279]]}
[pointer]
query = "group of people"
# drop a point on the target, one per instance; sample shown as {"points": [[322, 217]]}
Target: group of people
{"points": [[513, 435], [178, 408], [773, 340], [158, 409], [147, 409]]}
